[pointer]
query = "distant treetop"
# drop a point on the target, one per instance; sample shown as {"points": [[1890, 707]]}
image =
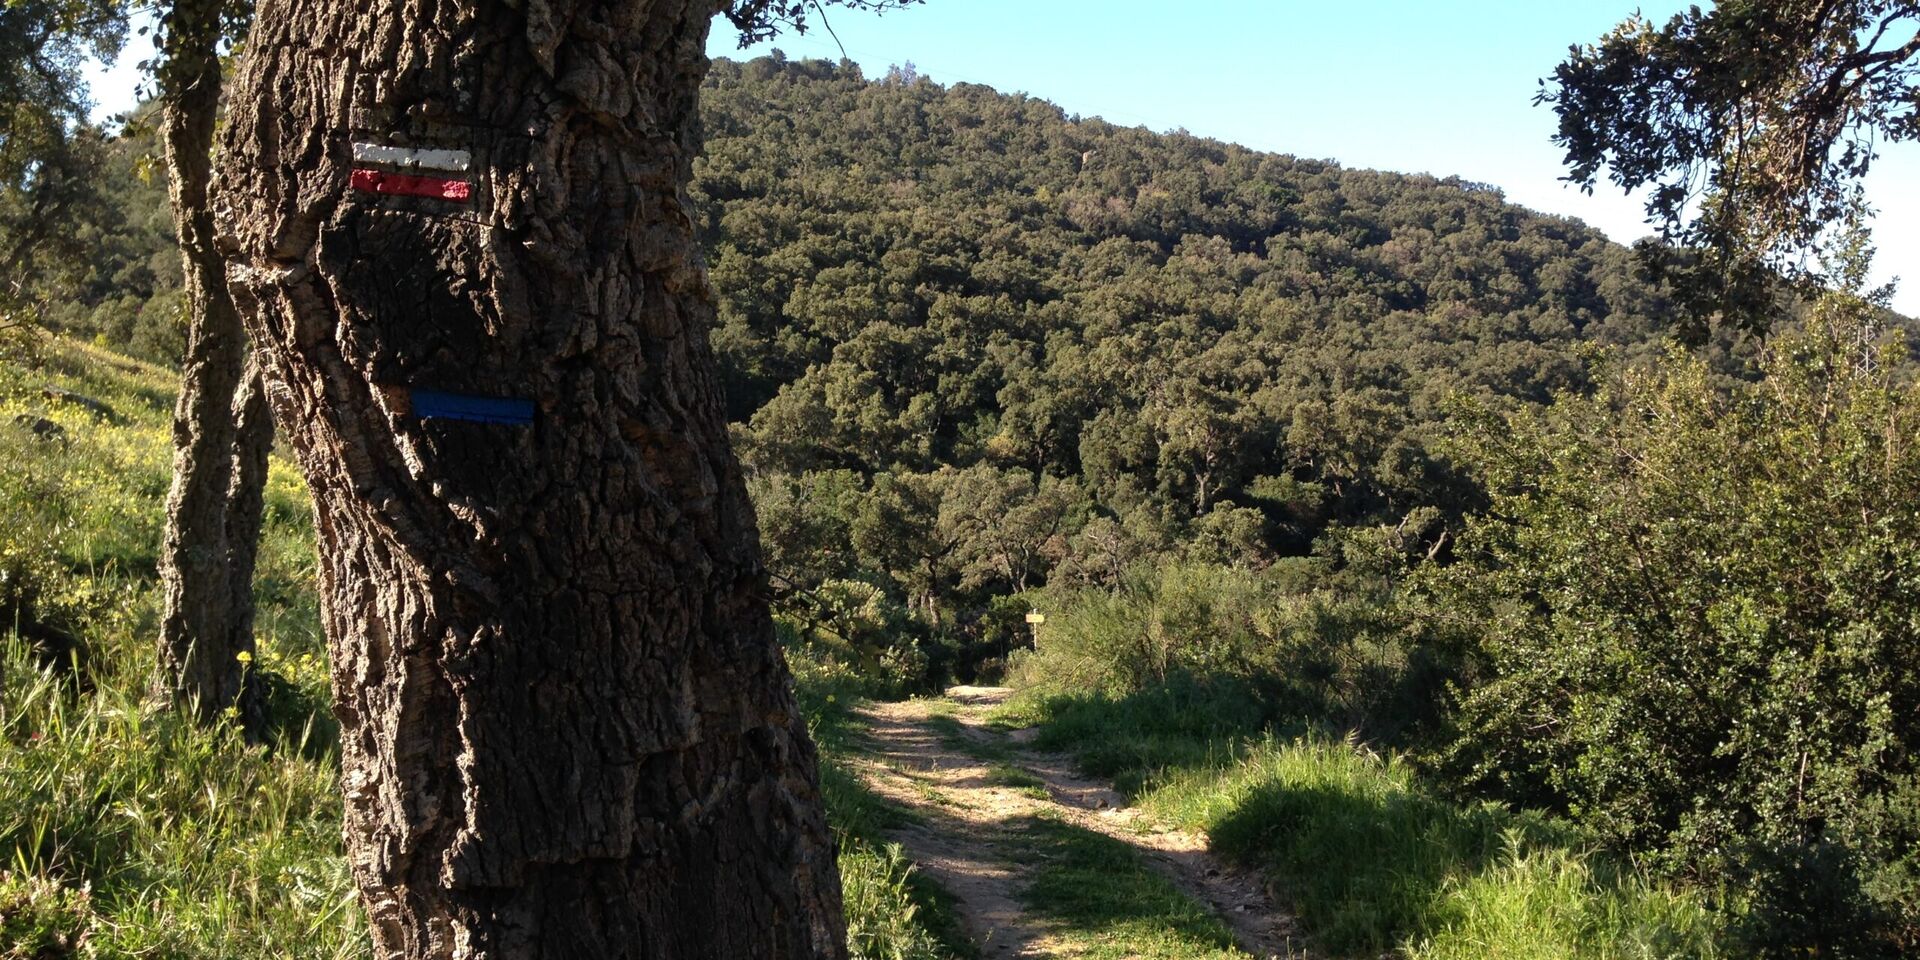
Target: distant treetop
{"points": [[1753, 123], [760, 20]]}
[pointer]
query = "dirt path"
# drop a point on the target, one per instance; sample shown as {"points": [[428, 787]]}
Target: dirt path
{"points": [[970, 785]]}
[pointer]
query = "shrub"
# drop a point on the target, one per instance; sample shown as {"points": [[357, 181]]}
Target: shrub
{"points": [[40, 919], [1296, 643], [1694, 608]]}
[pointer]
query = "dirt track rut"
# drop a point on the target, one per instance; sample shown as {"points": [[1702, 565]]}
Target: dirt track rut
{"points": [[964, 839]]}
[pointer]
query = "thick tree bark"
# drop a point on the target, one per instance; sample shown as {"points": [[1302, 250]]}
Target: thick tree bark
{"points": [[568, 731], [246, 505], [207, 620]]}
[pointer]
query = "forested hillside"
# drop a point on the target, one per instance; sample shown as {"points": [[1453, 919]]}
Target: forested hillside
{"points": [[1047, 347], [975, 345]]}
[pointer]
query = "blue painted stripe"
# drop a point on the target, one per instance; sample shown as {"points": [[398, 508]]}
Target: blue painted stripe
{"points": [[430, 404]]}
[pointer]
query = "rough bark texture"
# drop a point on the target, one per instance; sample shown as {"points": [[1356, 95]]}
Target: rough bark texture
{"points": [[568, 731], [200, 639], [246, 503]]}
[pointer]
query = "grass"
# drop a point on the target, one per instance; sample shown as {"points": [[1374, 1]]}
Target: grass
{"points": [[1128, 739], [1438, 878], [1016, 778], [1370, 859], [1003, 770], [1105, 904], [138, 833]]}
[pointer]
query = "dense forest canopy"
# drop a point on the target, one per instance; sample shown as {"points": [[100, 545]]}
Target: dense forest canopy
{"points": [[1063, 345]]}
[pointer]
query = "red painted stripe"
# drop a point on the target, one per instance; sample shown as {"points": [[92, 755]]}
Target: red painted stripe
{"points": [[407, 185]]}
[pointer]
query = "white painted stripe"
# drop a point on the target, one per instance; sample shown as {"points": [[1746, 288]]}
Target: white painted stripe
{"points": [[451, 161]]}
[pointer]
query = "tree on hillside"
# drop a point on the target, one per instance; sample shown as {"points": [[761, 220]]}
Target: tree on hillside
{"points": [[1752, 122], [221, 428], [49, 154], [51, 160], [466, 260]]}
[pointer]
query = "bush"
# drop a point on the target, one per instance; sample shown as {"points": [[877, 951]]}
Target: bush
{"points": [[1295, 644], [42, 920], [1803, 899], [1694, 605]]}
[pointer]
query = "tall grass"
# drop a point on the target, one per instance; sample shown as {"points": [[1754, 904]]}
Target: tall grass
{"points": [[1295, 644], [1372, 861], [1243, 712], [137, 831]]}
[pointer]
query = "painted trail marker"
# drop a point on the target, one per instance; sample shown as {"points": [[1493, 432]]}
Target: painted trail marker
{"points": [[400, 184], [438, 405], [441, 173], [446, 161]]}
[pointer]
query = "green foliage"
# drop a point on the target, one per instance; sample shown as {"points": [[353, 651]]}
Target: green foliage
{"points": [[121, 286], [1694, 605], [52, 158], [975, 346], [1753, 124], [42, 920], [48, 150], [1415, 869], [1295, 644]]}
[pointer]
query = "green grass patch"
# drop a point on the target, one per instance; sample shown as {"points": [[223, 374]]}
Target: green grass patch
{"points": [[893, 913], [1372, 861], [1017, 778], [1106, 904], [1133, 740], [120, 822]]}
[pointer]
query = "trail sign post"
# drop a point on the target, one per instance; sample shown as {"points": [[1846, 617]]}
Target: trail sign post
{"points": [[1034, 620]]}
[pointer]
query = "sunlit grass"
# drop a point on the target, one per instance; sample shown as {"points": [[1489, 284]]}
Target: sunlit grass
{"points": [[1369, 858], [1373, 861], [185, 841]]}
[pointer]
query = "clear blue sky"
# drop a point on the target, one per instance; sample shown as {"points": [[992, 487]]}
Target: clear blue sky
{"points": [[1436, 86]]}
